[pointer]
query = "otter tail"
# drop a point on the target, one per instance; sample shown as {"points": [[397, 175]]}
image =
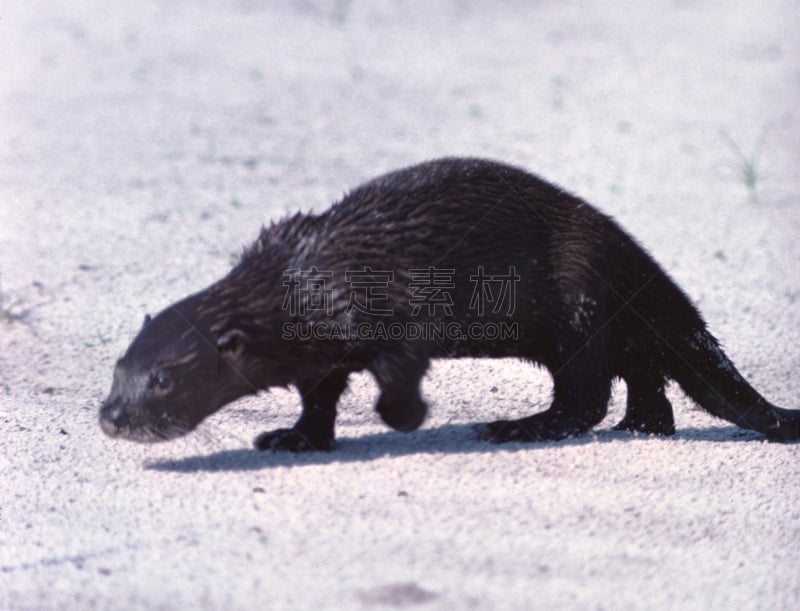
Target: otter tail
{"points": [[709, 377]]}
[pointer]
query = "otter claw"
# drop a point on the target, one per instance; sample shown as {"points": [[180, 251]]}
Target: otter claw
{"points": [[291, 440]]}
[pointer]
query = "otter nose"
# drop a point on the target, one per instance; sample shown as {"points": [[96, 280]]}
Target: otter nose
{"points": [[113, 417]]}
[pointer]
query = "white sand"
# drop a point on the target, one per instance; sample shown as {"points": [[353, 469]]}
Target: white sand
{"points": [[143, 143]]}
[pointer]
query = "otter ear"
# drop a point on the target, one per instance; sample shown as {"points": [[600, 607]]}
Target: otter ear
{"points": [[232, 342], [147, 319]]}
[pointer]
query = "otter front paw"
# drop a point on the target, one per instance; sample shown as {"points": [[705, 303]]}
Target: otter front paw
{"points": [[291, 440], [403, 414]]}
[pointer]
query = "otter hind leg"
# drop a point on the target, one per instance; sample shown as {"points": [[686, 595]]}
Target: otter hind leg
{"points": [[581, 390], [648, 409], [570, 414], [314, 430]]}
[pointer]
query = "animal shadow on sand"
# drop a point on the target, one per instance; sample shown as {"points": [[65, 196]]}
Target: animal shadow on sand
{"points": [[444, 439]]}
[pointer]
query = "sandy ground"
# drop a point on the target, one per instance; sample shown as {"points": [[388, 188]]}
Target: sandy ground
{"points": [[143, 143]]}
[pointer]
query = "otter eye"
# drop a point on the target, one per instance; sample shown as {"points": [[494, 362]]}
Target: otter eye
{"points": [[160, 382]]}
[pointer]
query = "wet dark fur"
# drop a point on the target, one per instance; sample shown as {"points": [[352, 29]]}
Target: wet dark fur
{"points": [[591, 306]]}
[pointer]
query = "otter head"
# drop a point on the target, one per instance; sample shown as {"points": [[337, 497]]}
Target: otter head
{"points": [[177, 371]]}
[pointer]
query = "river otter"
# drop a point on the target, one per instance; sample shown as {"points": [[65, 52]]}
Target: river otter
{"points": [[449, 258]]}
